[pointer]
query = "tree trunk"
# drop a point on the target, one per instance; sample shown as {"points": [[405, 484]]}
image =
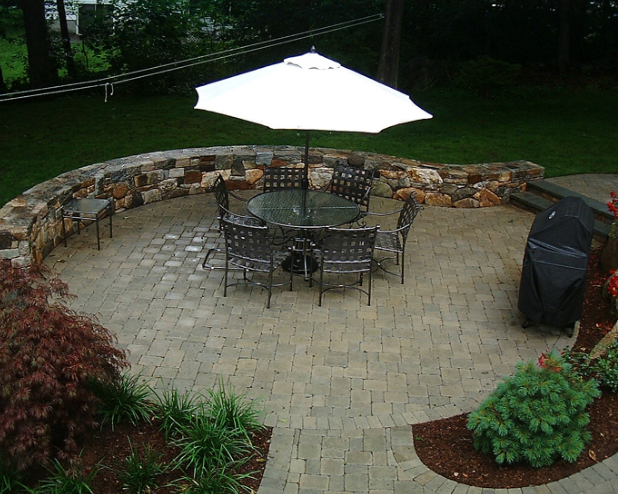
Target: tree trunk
{"points": [[40, 67], [66, 40], [388, 68], [3, 88], [564, 34]]}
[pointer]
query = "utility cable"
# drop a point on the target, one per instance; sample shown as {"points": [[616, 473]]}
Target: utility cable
{"points": [[109, 82]]}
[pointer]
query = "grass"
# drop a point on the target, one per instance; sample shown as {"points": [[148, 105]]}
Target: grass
{"points": [[211, 431], [127, 400], [175, 410], [63, 481], [13, 54], [141, 470], [563, 130], [232, 411]]}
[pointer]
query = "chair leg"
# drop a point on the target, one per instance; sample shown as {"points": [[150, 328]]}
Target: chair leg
{"points": [[321, 284], [208, 254], [270, 284], [110, 223], [369, 288], [64, 231], [225, 277]]}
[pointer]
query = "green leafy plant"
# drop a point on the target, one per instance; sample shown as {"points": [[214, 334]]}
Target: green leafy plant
{"points": [[605, 368], [48, 354], [66, 481], [536, 416], [140, 471], [175, 410], [205, 444], [232, 411], [125, 399], [10, 479], [217, 480]]}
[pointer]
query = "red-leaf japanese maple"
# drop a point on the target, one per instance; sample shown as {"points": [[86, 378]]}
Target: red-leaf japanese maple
{"points": [[48, 355]]}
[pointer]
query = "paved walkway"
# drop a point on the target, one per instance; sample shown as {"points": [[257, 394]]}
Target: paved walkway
{"points": [[340, 383]]}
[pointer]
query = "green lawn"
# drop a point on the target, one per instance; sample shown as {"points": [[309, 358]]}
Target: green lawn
{"points": [[12, 58], [566, 132]]}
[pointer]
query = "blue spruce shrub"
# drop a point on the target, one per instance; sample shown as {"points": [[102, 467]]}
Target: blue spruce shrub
{"points": [[536, 416]]}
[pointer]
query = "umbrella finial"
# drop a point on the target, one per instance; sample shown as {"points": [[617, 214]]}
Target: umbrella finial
{"points": [[313, 49]]}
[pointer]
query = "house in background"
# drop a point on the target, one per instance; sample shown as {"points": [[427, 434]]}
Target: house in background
{"points": [[80, 13]]}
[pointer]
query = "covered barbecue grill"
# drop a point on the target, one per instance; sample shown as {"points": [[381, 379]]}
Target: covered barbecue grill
{"points": [[555, 261]]}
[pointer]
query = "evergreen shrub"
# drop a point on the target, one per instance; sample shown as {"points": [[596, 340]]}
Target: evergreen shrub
{"points": [[536, 416]]}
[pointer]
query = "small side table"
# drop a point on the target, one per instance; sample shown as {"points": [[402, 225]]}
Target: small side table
{"points": [[80, 210]]}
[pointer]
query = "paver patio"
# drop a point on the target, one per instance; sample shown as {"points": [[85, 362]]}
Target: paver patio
{"points": [[339, 383]]}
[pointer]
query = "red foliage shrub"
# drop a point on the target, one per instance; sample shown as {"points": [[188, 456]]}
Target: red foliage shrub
{"points": [[48, 355]]}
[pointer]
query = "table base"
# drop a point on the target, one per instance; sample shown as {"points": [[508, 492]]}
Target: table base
{"points": [[300, 263]]}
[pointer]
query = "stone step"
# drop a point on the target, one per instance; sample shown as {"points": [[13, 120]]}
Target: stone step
{"points": [[537, 203], [554, 193]]}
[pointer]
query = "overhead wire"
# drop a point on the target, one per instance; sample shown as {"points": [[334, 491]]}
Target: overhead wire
{"points": [[108, 82]]}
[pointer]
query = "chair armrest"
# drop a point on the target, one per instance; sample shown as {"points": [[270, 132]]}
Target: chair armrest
{"points": [[236, 196], [396, 230], [397, 211]]}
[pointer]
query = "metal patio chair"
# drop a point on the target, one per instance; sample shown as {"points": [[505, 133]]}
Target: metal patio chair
{"points": [[282, 177], [394, 241], [346, 251], [222, 196], [251, 248], [353, 184]]}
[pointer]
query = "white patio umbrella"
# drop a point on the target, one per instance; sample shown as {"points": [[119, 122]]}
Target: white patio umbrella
{"points": [[309, 92]]}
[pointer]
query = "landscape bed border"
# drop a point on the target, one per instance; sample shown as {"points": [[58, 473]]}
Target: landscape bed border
{"points": [[31, 224]]}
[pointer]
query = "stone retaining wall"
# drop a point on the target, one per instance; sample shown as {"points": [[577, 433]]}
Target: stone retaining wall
{"points": [[30, 225]]}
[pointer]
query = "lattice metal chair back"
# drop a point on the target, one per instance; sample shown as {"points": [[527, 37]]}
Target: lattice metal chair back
{"points": [[347, 251], [353, 184], [220, 191], [222, 196], [394, 241], [282, 177], [250, 248]]}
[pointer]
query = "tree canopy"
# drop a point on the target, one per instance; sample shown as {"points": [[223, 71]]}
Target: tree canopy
{"points": [[435, 35]]}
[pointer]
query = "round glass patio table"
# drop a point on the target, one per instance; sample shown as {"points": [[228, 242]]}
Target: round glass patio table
{"points": [[304, 210]]}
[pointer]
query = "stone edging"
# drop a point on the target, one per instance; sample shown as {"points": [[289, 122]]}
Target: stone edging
{"points": [[30, 225]]}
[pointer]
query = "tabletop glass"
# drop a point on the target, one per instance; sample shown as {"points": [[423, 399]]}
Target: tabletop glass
{"points": [[302, 208]]}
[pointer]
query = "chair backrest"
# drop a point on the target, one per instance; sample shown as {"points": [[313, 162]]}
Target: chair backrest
{"points": [[282, 177], [222, 197], [348, 250], [406, 217], [221, 194], [353, 184], [249, 242]]}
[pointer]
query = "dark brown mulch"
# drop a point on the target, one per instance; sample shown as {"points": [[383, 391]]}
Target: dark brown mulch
{"points": [[111, 448], [107, 450], [445, 446]]}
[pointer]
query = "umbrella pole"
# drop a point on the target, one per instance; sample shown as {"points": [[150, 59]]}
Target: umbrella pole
{"points": [[305, 182]]}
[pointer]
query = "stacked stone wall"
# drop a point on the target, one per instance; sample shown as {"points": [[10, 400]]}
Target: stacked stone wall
{"points": [[31, 224]]}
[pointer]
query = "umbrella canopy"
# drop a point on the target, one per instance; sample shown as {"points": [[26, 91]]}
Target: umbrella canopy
{"points": [[309, 92]]}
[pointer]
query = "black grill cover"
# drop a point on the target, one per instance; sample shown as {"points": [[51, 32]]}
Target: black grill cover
{"points": [[555, 262]]}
